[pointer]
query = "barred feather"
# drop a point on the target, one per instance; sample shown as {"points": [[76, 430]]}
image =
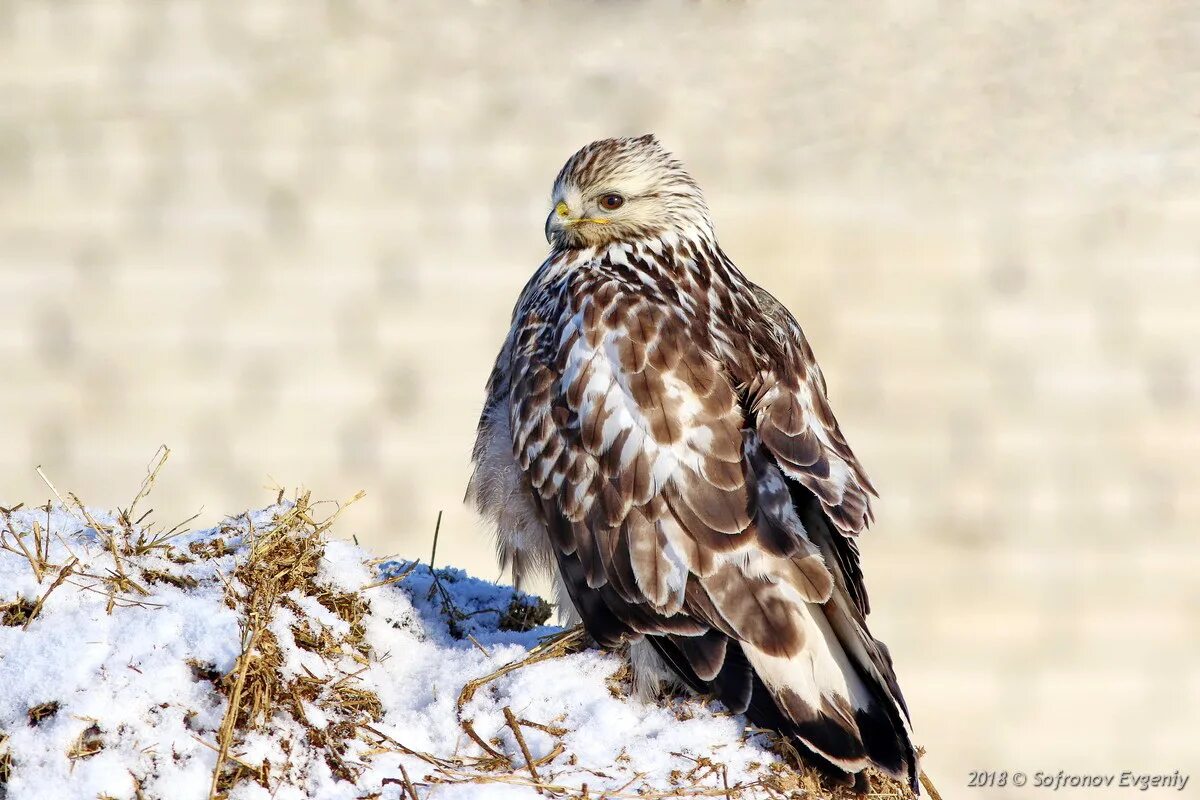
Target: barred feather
{"points": [[657, 427]]}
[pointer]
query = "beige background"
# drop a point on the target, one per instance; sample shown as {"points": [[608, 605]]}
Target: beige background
{"points": [[285, 237]]}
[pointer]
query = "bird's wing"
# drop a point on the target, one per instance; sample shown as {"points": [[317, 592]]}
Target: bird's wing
{"points": [[632, 437], [796, 423], [672, 519], [831, 494]]}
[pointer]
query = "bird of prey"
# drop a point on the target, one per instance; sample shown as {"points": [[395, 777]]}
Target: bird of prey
{"points": [[657, 434]]}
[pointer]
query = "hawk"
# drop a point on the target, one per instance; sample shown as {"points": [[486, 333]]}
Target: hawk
{"points": [[657, 434]]}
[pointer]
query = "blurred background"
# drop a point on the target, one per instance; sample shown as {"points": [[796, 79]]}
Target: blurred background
{"points": [[284, 238]]}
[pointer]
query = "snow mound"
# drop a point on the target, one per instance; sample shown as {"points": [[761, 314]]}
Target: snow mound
{"points": [[261, 659]]}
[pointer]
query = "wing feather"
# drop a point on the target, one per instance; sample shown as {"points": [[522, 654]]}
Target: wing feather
{"points": [[665, 476], [668, 507], [670, 429], [795, 422]]}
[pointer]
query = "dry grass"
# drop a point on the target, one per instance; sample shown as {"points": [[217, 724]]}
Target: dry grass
{"points": [[88, 743], [788, 778], [124, 585], [33, 546], [276, 570], [5, 761], [17, 613], [283, 563], [43, 711], [272, 567]]}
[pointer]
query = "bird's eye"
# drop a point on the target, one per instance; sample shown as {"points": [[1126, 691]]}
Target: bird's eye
{"points": [[611, 202]]}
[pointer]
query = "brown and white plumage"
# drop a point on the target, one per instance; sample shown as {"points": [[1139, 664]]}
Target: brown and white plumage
{"points": [[657, 430]]}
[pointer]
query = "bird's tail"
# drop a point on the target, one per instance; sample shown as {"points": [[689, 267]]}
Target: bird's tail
{"points": [[838, 698]]}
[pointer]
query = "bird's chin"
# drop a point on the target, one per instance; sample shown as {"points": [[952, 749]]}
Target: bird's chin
{"points": [[577, 237]]}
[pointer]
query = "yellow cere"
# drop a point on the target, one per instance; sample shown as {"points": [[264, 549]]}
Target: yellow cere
{"points": [[563, 211]]}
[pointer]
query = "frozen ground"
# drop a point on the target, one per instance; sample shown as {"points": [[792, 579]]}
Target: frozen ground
{"points": [[118, 685]]}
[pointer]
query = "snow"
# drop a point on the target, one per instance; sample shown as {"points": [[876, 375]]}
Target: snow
{"points": [[138, 713]]}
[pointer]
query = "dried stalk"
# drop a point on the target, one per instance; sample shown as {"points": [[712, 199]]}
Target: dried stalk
{"points": [[554, 647], [394, 579], [62, 576], [929, 787], [152, 469], [516, 729], [408, 784], [229, 722], [36, 563]]}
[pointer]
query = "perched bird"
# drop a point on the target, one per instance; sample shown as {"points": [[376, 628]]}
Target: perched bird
{"points": [[656, 433]]}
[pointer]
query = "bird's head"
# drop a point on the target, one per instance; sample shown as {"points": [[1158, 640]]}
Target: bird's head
{"points": [[623, 189]]}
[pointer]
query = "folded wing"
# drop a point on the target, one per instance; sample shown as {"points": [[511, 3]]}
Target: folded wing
{"points": [[670, 506]]}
